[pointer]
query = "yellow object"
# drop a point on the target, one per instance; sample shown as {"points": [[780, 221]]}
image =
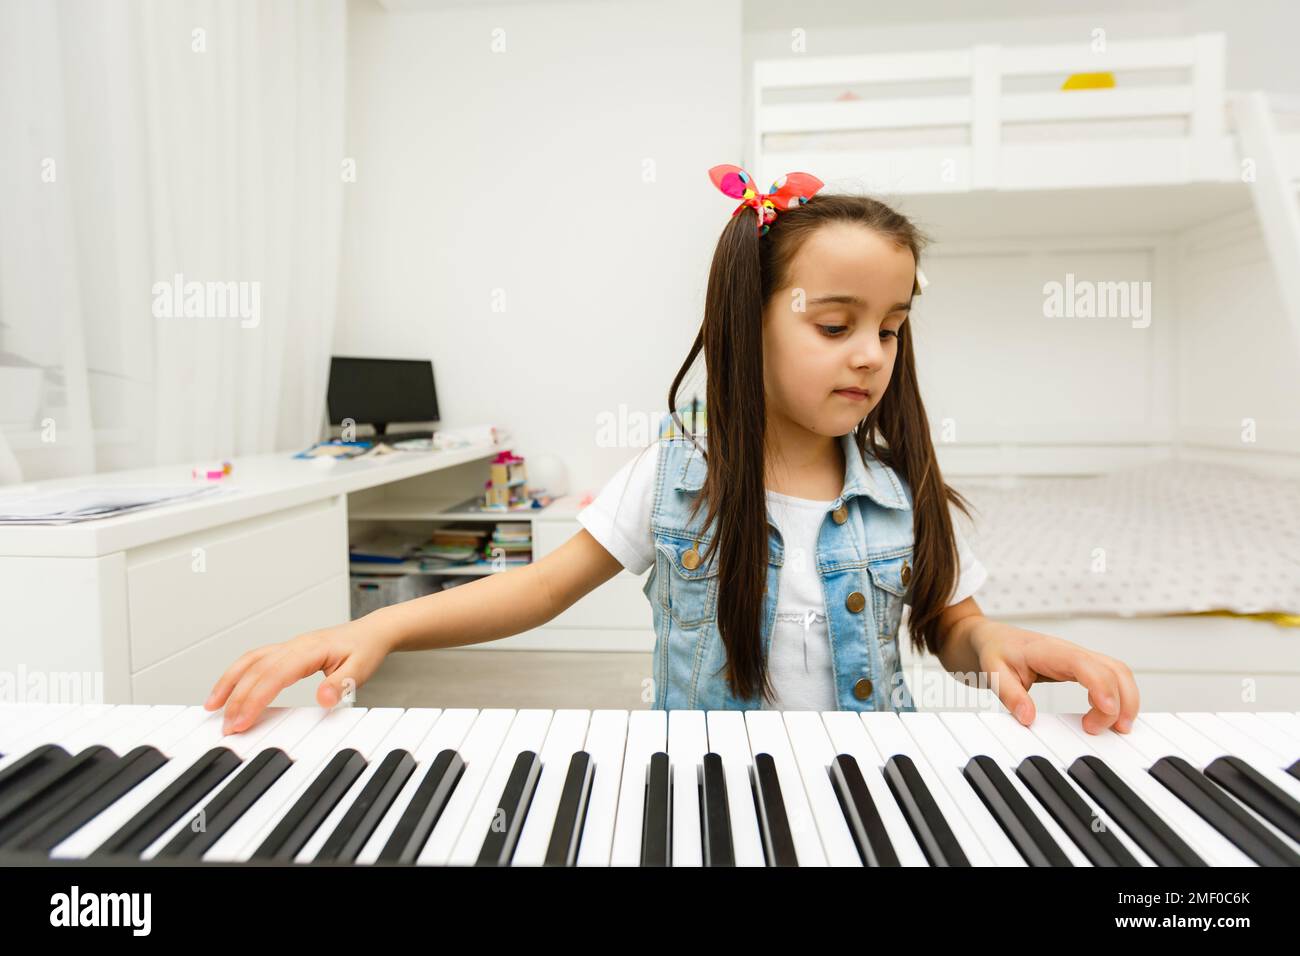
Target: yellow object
{"points": [[1089, 81], [1280, 618]]}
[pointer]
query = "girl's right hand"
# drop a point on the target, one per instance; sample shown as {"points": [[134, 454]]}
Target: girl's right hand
{"points": [[347, 654]]}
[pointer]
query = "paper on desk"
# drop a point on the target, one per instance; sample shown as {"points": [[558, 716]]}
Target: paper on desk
{"points": [[66, 505]]}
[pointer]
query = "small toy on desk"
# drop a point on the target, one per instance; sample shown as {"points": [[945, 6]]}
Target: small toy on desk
{"points": [[213, 471], [507, 489]]}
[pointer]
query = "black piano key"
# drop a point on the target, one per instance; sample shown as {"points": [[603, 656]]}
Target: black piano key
{"points": [[715, 814], [566, 832], [28, 800], [927, 822], [30, 775], [1220, 811], [1016, 818], [1294, 770], [1073, 814], [1156, 838], [865, 824], [363, 816], [773, 824], [179, 796], [512, 809], [426, 806], [309, 811], [656, 819], [30, 764], [230, 803], [1257, 792], [59, 819]]}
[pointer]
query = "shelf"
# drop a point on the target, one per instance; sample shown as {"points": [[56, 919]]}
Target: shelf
{"points": [[413, 567], [434, 509]]}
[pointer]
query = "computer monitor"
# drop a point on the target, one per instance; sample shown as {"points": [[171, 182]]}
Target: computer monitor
{"points": [[381, 392]]}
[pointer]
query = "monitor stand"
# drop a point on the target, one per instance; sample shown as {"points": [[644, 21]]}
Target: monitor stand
{"points": [[384, 436]]}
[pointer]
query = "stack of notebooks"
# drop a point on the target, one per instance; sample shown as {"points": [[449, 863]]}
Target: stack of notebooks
{"points": [[450, 547], [512, 543]]}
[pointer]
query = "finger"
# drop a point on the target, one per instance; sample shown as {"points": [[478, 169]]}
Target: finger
{"points": [[1014, 695], [1103, 692], [263, 682], [226, 683], [339, 684], [1068, 662], [1129, 698]]}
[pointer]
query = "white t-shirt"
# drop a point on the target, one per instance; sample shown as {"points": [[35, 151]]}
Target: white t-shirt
{"points": [[800, 658]]}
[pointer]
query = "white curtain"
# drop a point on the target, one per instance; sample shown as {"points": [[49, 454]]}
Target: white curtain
{"points": [[147, 147]]}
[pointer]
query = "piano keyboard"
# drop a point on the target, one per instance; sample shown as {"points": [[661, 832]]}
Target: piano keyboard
{"points": [[646, 788]]}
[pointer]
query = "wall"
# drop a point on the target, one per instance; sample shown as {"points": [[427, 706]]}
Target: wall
{"points": [[520, 178]]}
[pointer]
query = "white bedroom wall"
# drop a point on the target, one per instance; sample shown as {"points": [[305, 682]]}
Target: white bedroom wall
{"points": [[524, 172], [1238, 384]]}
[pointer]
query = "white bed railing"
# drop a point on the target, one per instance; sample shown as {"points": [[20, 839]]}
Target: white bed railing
{"points": [[988, 94]]}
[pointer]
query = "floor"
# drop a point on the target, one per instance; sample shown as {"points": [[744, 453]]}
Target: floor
{"points": [[481, 678]]}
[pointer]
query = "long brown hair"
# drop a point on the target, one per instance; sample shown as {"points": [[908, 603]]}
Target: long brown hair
{"points": [[747, 269]]}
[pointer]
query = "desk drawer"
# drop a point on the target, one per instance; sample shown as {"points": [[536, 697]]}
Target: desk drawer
{"points": [[187, 677], [184, 589]]}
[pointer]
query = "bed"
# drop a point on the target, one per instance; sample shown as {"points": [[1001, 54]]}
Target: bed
{"points": [[1187, 571]]}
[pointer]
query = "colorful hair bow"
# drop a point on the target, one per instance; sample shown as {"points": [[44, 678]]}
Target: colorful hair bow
{"points": [[787, 192]]}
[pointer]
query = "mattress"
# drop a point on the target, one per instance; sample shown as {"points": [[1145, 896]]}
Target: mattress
{"points": [[1163, 538]]}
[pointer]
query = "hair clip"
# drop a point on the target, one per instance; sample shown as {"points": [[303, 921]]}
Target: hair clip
{"points": [[791, 190], [920, 282]]}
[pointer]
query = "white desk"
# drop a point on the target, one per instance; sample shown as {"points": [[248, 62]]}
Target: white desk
{"points": [[151, 607]]}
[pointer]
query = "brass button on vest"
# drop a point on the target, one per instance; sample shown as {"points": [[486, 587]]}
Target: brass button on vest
{"points": [[906, 574], [862, 689], [690, 559], [856, 602], [840, 514]]}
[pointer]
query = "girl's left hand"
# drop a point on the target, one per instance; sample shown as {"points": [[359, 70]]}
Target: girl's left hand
{"points": [[1016, 658]]}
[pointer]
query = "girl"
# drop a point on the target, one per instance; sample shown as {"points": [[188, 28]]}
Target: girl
{"points": [[785, 542]]}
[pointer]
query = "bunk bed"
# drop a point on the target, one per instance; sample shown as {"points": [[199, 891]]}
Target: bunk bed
{"points": [[1136, 146]]}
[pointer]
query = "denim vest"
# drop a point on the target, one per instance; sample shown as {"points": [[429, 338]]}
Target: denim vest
{"points": [[864, 558]]}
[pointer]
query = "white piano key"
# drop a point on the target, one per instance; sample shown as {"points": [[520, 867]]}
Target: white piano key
{"points": [[63, 728], [1128, 764], [767, 735], [106, 728], [890, 737], [729, 739], [1232, 741], [279, 727], [383, 730], [528, 732], [1279, 719], [1285, 750], [1289, 724], [813, 754], [482, 744], [849, 736], [19, 720], [606, 739], [565, 737], [1165, 736], [976, 739], [447, 733], [947, 758], [309, 756], [687, 744], [1021, 743], [183, 741], [647, 733]]}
